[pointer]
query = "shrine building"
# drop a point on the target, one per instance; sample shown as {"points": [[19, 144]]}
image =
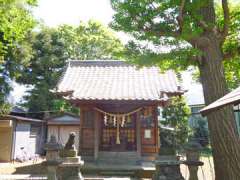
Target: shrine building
{"points": [[118, 105]]}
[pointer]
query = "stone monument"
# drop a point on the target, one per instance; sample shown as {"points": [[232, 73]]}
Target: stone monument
{"points": [[70, 167]]}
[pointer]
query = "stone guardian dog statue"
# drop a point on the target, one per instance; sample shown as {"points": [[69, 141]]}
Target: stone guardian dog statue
{"points": [[71, 141]]}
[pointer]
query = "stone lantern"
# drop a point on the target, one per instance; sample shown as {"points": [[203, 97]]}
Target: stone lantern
{"points": [[193, 149], [52, 157], [167, 169], [70, 168], [167, 164]]}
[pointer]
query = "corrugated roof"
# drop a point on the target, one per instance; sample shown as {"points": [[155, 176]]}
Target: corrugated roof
{"points": [[116, 80], [230, 98]]}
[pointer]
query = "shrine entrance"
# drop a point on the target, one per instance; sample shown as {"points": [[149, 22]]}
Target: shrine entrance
{"points": [[118, 131], [112, 131]]}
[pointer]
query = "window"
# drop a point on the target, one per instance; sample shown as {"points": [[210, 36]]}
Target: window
{"points": [[33, 131]]}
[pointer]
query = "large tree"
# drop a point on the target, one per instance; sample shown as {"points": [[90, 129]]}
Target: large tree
{"points": [[16, 21], [52, 48], [44, 68], [193, 36]]}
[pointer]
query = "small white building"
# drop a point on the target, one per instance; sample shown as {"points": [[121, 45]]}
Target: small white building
{"points": [[62, 125], [20, 137]]}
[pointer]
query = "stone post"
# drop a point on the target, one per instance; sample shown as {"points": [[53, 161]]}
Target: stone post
{"points": [[192, 149], [52, 157]]}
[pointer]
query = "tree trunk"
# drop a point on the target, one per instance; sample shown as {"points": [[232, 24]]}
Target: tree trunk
{"points": [[223, 135]]}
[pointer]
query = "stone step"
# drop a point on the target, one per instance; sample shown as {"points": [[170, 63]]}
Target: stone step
{"points": [[22, 177], [117, 173], [103, 162], [117, 154], [118, 158]]}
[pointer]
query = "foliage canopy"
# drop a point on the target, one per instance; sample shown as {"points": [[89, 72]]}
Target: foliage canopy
{"points": [[195, 35], [52, 47], [162, 38], [16, 21], [176, 115]]}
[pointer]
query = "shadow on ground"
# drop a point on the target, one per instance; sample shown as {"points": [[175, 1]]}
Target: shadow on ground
{"points": [[34, 169]]}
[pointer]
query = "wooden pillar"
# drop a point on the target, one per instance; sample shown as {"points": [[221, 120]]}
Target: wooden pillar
{"points": [[155, 111], [80, 130], [138, 133], [96, 134]]}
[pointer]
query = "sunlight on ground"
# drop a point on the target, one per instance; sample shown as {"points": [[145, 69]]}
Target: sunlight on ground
{"points": [[11, 168], [206, 172]]}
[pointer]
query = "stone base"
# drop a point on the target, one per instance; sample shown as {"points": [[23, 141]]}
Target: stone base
{"points": [[167, 169], [70, 169], [70, 173], [68, 153], [72, 160]]}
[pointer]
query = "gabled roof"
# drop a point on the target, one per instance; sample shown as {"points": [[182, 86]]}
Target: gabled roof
{"points": [[115, 80], [16, 109], [230, 98], [64, 119]]}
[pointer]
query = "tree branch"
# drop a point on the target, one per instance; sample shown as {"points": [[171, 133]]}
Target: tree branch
{"points": [[180, 16], [230, 55], [200, 22], [226, 18], [156, 32]]}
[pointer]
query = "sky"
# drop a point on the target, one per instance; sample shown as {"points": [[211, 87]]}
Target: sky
{"points": [[55, 12]]}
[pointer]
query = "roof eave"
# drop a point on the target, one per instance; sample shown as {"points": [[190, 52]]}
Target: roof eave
{"points": [[20, 118]]}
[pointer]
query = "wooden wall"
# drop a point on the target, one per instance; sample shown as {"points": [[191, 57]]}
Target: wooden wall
{"points": [[87, 117], [148, 144], [5, 143], [149, 130]]}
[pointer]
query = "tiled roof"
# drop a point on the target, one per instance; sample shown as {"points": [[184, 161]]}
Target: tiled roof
{"points": [[115, 80]]}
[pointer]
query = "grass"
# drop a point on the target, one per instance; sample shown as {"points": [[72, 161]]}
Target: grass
{"points": [[206, 152]]}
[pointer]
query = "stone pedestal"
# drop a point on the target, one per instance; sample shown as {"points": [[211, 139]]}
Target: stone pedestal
{"points": [[192, 149], [70, 168], [167, 168], [52, 172]]}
